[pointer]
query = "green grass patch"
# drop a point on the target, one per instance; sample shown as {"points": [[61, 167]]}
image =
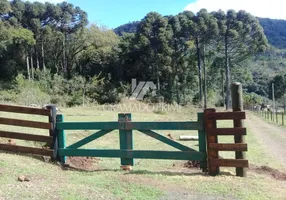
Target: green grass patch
{"points": [[149, 179]]}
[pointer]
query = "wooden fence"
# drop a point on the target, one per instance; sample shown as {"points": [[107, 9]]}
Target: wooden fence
{"points": [[276, 117], [237, 131], [206, 125], [49, 112]]}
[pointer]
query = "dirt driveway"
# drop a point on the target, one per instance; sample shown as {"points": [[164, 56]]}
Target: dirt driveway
{"points": [[271, 136]]}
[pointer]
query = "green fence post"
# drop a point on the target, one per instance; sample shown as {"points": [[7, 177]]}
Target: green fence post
{"points": [[126, 139], [202, 143], [61, 138], [276, 116]]}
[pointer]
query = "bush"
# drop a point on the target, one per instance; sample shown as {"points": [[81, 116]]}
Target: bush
{"points": [[7, 95], [32, 95], [28, 92]]}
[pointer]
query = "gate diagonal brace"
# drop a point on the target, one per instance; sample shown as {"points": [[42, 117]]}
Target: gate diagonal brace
{"points": [[166, 140]]}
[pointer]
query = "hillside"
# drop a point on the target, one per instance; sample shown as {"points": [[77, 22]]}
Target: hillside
{"points": [[274, 29], [130, 27]]}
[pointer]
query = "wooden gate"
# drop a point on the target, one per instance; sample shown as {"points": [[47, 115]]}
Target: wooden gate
{"points": [[49, 139], [126, 152]]}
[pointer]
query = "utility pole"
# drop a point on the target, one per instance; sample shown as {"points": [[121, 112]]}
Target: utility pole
{"points": [[273, 99]]}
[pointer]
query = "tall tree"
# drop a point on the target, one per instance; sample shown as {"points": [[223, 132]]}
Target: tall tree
{"points": [[240, 37], [200, 28], [70, 20], [180, 56], [208, 28], [152, 39]]}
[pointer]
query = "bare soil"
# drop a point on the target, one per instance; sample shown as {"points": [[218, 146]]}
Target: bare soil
{"points": [[272, 137], [82, 163], [192, 164], [276, 174]]}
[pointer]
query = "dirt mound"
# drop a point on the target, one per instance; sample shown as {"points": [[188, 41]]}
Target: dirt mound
{"points": [[269, 171], [82, 163], [192, 164]]}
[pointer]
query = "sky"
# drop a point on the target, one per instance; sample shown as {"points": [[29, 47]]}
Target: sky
{"points": [[113, 13]]}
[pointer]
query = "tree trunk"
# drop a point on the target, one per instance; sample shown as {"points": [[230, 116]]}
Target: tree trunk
{"points": [[32, 66], [222, 87], [157, 76], [64, 56], [199, 70], [43, 57], [177, 92], [28, 68], [227, 73], [158, 80], [37, 58], [38, 63], [83, 95], [205, 78]]}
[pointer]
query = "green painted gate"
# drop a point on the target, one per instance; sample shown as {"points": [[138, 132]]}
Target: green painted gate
{"points": [[126, 152]]}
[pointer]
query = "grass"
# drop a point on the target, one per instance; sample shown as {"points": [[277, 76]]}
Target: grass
{"points": [[149, 179]]}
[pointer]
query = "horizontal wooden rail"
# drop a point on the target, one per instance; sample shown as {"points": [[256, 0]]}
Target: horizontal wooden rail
{"points": [[25, 123], [228, 147], [88, 125], [174, 155], [25, 110], [229, 162], [227, 131], [21, 149], [226, 115], [25, 136], [130, 125]]}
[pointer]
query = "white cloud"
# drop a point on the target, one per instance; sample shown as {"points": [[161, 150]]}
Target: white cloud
{"points": [[274, 9], [51, 1]]}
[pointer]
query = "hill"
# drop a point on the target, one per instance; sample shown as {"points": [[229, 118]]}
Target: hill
{"points": [[130, 27], [274, 29]]}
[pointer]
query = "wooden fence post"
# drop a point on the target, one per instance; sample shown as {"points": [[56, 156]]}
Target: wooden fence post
{"points": [[52, 120], [282, 118], [126, 140], [61, 139], [202, 142], [237, 105], [212, 153]]}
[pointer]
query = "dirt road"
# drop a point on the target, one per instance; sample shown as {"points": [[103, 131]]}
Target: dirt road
{"points": [[271, 136]]}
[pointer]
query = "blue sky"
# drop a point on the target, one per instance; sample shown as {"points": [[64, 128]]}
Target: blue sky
{"points": [[112, 13]]}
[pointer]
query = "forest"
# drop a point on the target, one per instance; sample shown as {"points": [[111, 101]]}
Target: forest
{"points": [[50, 53]]}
